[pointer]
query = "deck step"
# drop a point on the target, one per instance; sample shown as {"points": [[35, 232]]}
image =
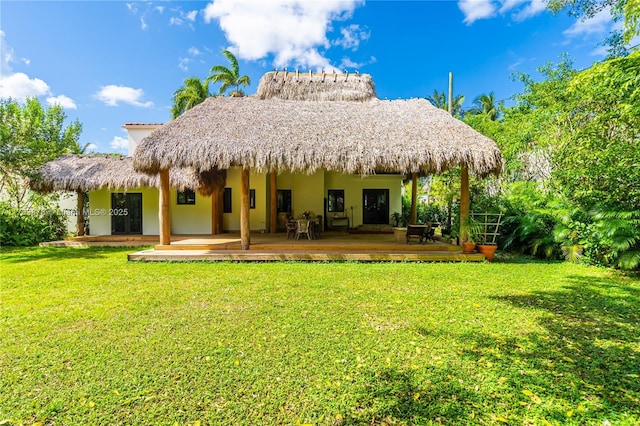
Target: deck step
{"points": [[304, 256]]}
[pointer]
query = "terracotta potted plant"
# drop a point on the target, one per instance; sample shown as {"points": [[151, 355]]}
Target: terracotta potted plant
{"points": [[489, 250], [468, 235]]}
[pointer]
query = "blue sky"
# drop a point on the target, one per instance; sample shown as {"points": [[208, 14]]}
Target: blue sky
{"points": [[112, 62]]}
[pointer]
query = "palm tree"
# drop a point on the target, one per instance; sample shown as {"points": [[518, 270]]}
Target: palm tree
{"points": [[439, 100], [486, 104], [228, 77], [193, 92]]}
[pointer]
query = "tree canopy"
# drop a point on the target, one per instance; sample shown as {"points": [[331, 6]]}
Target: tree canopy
{"points": [[228, 77], [31, 135]]}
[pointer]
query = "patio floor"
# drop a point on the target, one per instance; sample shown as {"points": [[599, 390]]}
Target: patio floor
{"points": [[332, 246]]}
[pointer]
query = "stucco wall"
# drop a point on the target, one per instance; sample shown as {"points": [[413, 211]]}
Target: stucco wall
{"points": [[100, 204], [257, 216], [190, 218], [353, 186]]}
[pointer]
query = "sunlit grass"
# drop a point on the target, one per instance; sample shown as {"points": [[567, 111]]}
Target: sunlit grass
{"points": [[88, 338]]}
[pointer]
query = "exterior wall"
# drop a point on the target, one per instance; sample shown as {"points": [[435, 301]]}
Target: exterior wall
{"points": [[100, 204], [136, 133], [257, 216], [307, 191], [353, 186], [68, 203], [189, 218]]}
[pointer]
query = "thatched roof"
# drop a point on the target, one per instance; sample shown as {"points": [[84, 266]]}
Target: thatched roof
{"points": [[95, 171], [360, 135], [316, 87]]}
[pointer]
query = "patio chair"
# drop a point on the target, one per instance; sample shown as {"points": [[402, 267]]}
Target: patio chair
{"points": [[289, 226], [302, 227]]}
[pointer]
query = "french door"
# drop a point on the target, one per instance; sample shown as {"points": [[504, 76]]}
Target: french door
{"points": [[126, 213], [375, 206]]}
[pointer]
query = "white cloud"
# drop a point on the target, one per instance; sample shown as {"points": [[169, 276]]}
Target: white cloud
{"points": [[19, 86], [191, 16], [62, 100], [183, 63], [476, 9], [599, 24], [193, 51], [92, 147], [521, 10], [113, 94], [183, 17], [507, 5], [292, 31], [119, 143], [352, 36], [535, 7]]}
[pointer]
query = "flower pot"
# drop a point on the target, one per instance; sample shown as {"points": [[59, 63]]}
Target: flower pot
{"points": [[468, 247], [489, 250]]}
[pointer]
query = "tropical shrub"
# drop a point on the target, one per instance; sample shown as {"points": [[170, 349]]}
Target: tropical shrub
{"points": [[25, 227]]}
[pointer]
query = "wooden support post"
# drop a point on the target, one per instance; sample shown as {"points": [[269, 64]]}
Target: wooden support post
{"points": [[464, 200], [215, 205], [245, 237], [220, 195], [413, 215], [80, 214], [164, 211], [273, 208]]}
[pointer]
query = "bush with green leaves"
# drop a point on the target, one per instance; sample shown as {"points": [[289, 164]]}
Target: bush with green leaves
{"points": [[24, 227]]}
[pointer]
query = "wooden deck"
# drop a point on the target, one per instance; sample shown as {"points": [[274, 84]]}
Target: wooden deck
{"points": [[332, 246]]}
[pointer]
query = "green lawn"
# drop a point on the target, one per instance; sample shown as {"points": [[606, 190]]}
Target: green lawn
{"points": [[88, 338]]}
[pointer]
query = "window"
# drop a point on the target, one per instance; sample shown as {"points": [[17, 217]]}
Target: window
{"points": [[336, 200], [226, 201], [188, 196], [283, 200], [252, 198]]}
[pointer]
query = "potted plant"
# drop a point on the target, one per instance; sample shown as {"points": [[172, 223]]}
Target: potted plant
{"points": [[396, 217], [469, 232], [488, 232]]}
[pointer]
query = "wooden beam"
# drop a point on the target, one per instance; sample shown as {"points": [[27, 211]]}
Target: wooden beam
{"points": [[464, 199], [164, 211], [80, 214], [245, 237], [413, 215], [215, 205], [273, 208]]}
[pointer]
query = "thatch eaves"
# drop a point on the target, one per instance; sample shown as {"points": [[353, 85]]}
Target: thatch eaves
{"points": [[297, 86], [91, 172], [364, 137]]}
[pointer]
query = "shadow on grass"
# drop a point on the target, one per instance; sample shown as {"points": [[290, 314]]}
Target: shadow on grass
{"points": [[578, 364], [405, 397], [588, 356], [30, 254]]}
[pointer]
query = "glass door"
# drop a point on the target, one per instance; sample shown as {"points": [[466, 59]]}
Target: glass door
{"points": [[375, 206], [126, 213]]}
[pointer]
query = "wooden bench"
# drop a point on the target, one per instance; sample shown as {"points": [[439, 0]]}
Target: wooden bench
{"points": [[422, 232]]}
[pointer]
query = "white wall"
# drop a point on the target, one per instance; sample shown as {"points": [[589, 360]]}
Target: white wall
{"points": [[137, 132], [68, 203]]}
